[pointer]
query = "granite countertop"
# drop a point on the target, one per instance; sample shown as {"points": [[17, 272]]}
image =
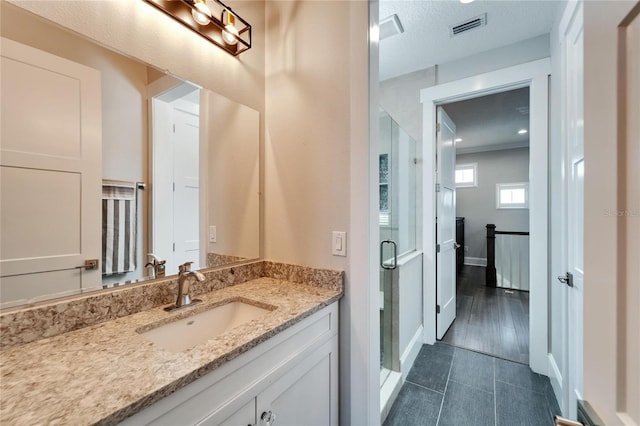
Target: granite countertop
{"points": [[107, 372]]}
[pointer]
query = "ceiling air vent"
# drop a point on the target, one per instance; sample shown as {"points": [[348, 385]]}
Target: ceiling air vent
{"points": [[476, 22], [390, 26]]}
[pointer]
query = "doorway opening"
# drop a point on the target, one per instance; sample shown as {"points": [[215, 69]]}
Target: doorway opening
{"points": [[533, 75], [491, 232]]}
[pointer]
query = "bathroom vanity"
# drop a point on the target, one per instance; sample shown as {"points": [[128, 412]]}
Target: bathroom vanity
{"points": [[281, 364]]}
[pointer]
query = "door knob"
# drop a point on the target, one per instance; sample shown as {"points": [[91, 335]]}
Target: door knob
{"points": [[456, 245], [268, 417], [566, 279], [89, 264]]}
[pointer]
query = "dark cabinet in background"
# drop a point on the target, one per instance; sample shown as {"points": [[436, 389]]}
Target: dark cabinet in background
{"points": [[460, 240]]}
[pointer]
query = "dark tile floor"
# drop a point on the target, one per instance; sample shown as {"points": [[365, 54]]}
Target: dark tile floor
{"points": [[455, 386]]}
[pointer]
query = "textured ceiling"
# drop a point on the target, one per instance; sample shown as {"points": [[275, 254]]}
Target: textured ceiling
{"points": [[491, 122], [426, 41]]}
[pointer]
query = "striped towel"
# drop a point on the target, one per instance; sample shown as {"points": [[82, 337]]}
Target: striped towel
{"points": [[119, 213]]}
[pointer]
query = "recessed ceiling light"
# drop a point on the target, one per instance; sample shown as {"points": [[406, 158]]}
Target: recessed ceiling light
{"points": [[458, 140], [522, 131], [466, 1]]}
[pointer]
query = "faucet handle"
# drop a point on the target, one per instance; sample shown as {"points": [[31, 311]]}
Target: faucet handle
{"points": [[185, 267]]}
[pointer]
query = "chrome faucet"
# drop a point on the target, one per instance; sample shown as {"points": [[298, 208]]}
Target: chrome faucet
{"points": [[185, 276], [156, 266]]}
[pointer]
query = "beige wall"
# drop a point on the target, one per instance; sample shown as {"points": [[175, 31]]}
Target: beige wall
{"points": [[233, 175], [609, 331], [317, 171], [307, 141]]}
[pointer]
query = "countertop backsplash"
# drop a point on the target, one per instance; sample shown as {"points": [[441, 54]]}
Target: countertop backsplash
{"points": [[30, 323]]}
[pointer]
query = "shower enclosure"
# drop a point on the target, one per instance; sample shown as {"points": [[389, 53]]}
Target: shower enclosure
{"points": [[398, 218]]}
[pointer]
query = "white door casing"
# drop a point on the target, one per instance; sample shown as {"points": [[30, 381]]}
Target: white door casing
{"points": [[573, 82], [50, 173], [445, 222], [534, 75], [572, 110]]}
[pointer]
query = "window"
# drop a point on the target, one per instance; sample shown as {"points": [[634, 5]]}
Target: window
{"points": [[512, 195], [466, 175]]}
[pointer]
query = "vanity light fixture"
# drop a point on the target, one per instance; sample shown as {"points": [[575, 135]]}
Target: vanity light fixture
{"points": [[211, 19]]}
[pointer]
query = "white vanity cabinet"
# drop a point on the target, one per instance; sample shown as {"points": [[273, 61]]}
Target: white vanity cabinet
{"points": [[290, 379]]}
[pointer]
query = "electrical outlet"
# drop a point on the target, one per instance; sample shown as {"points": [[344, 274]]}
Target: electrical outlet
{"points": [[213, 237]]}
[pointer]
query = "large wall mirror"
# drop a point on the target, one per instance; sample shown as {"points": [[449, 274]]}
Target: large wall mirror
{"points": [[106, 158]]}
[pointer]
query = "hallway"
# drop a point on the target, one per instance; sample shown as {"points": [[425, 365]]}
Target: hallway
{"points": [[490, 320], [454, 386]]}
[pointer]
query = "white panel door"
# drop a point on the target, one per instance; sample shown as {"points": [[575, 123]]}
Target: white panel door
{"points": [[446, 223], [186, 145], [50, 174]]}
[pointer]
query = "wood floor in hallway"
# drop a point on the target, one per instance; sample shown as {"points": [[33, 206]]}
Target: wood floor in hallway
{"points": [[490, 320]]}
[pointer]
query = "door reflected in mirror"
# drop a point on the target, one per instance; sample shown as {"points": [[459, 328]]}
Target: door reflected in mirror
{"points": [[105, 157]]}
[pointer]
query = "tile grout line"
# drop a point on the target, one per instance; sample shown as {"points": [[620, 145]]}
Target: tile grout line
{"points": [[424, 387], [453, 358]]}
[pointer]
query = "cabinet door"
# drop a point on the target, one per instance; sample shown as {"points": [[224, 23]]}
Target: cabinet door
{"points": [[306, 395], [233, 416]]}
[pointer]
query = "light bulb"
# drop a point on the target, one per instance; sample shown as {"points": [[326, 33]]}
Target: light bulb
{"points": [[201, 13], [230, 33]]}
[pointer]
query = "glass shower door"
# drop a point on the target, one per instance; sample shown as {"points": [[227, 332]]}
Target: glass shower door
{"points": [[388, 241], [397, 221]]}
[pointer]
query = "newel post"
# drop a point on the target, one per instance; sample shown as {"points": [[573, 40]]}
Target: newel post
{"points": [[491, 256]]}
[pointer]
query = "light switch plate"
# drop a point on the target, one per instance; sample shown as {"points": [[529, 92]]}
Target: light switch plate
{"points": [[339, 243], [213, 234]]}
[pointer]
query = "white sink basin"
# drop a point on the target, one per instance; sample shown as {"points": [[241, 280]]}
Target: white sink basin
{"points": [[186, 333]]}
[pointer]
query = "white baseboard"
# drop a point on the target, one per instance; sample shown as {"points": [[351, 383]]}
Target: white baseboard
{"points": [[410, 354], [555, 377], [388, 393], [475, 261], [392, 385]]}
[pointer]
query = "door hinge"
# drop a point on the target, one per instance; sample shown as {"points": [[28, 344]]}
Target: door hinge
{"points": [[437, 187], [174, 247], [437, 248], [437, 309], [437, 127], [174, 187], [174, 127], [415, 161]]}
